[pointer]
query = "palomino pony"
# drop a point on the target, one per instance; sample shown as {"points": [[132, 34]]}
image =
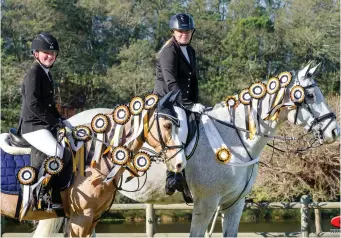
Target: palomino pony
{"points": [[216, 181], [89, 196]]}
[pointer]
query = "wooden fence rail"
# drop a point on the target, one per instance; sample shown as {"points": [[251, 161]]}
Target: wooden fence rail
{"points": [[305, 204]]}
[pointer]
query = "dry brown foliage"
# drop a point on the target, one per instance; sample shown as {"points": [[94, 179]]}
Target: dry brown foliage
{"points": [[284, 176]]}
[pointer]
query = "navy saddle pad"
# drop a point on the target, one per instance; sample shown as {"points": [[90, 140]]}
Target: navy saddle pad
{"points": [[10, 165]]}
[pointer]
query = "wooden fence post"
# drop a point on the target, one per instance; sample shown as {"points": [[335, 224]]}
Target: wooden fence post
{"points": [[150, 220], [305, 200]]}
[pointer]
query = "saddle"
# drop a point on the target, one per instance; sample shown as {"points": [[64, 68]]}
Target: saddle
{"points": [[16, 139], [13, 148]]}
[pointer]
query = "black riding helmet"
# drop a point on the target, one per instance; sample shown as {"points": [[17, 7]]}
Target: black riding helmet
{"points": [[45, 42], [183, 22]]}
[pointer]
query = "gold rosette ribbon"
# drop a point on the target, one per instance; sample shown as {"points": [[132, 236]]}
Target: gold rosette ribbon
{"points": [[223, 155], [297, 94], [142, 161], [150, 101]]}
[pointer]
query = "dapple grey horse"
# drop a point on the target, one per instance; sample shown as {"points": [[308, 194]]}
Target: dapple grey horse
{"points": [[214, 184]]}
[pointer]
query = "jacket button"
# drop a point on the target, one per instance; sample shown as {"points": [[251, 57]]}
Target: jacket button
{"points": [[49, 105], [50, 91], [188, 85], [190, 73], [187, 91], [189, 79]]}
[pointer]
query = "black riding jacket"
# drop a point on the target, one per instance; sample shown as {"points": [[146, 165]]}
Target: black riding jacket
{"points": [[174, 72], [38, 105]]}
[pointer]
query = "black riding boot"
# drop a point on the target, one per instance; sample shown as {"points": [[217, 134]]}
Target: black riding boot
{"points": [[45, 198], [174, 181]]}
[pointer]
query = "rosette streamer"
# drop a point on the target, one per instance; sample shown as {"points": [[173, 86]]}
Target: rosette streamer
{"points": [[100, 125], [276, 106], [139, 109], [284, 80], [231, 103], [252, 114]]}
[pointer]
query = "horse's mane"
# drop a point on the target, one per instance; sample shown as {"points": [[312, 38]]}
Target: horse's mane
{"points": [[219, 105], [222, 104]]}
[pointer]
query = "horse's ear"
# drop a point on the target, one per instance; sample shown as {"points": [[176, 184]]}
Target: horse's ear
{"points": [[313, 70], [174, 96], [166, 98], [302, 73]]}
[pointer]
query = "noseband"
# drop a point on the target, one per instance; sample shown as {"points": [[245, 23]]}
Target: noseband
{"points": [[316, 126], [161, 156]]}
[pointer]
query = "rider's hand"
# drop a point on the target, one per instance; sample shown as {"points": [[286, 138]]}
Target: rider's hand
{"points": [[59, 125], [197, 107], [67, 124], [68, 127]]}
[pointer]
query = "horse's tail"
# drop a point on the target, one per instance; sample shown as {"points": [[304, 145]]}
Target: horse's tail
{"points": [[46, 227]]}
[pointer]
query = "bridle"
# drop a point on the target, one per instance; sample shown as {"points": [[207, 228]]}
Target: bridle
{"points": [[161, 156], [316, 125]]}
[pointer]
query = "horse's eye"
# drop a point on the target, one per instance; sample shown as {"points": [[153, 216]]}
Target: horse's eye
{"points": [[168, 126]]}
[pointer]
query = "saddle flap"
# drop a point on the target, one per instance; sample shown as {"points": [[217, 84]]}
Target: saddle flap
{"points": [[192, 123], [8, 147]]}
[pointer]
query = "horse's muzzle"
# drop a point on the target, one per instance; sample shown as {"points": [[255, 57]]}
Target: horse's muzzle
{"points": [[336, 133]]}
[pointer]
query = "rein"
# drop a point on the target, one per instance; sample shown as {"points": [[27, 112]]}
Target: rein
{"points": [[161, 156], [247, 131]]}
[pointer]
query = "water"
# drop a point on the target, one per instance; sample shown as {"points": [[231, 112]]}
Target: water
{"points": [[12, 226], [184, 227]]}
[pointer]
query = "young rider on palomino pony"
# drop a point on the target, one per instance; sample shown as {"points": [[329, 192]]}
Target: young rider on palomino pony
{"points": [[39, 118]]}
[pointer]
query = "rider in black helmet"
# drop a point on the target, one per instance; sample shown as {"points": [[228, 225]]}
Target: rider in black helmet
{"points": [[46, 43], [176, 70], [182, 22], [39, 116]]}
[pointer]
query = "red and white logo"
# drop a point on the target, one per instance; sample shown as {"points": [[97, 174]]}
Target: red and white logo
{"points": [[335, 222]]}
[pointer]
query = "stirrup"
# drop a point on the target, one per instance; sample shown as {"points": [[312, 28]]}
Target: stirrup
{"points": [[50, 206], [53, 206]]}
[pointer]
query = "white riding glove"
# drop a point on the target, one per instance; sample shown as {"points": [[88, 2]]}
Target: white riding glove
{"points": [[197, 107], [67, 124]]}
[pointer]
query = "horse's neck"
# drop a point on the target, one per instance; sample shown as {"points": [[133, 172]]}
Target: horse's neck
{"points": [[239, 116], [136, 143], [128, 131], [128, 134]]}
